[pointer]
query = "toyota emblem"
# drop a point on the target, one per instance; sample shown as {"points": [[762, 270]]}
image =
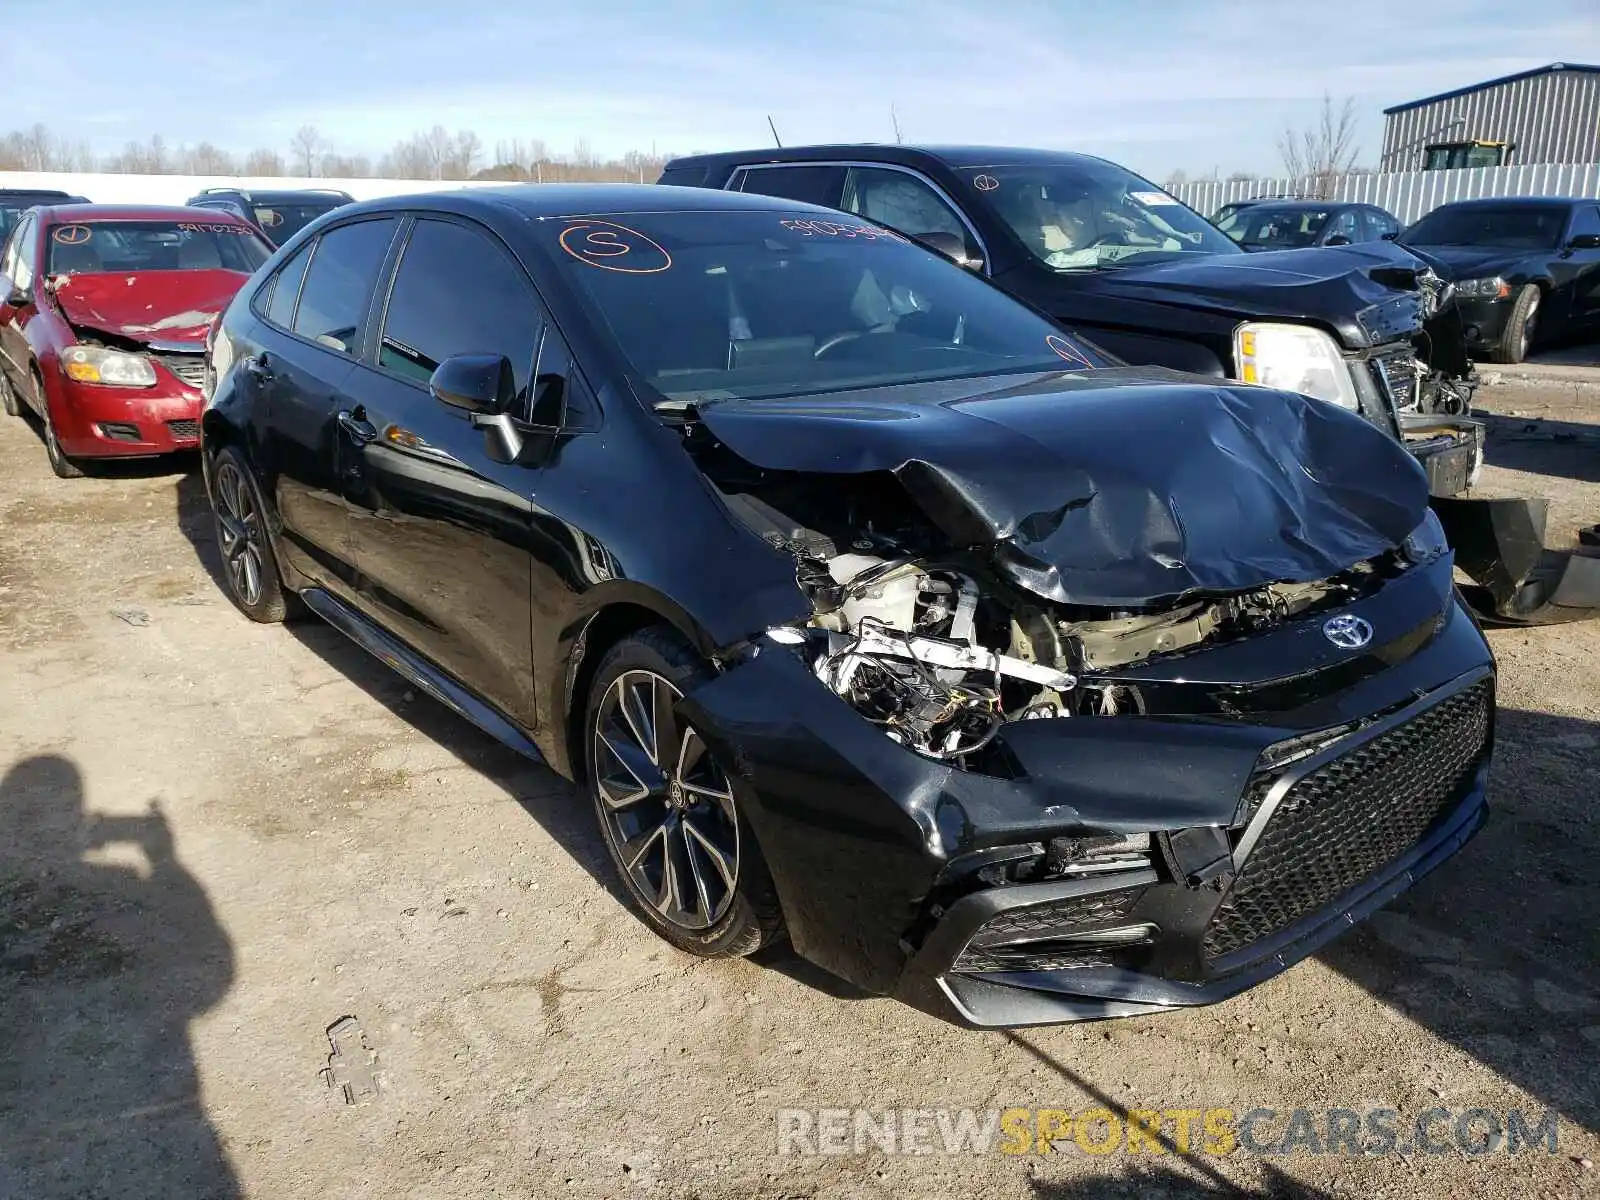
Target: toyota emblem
{"points": [[1347, 632]]}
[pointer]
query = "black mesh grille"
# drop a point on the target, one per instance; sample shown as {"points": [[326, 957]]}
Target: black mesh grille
{"points": [[190, 368], [184, 430], [1350, 817], [1025, 939]]}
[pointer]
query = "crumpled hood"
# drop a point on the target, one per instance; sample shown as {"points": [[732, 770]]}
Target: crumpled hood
{"points": [[1121, 489], [1366, 293], [148, 306]]}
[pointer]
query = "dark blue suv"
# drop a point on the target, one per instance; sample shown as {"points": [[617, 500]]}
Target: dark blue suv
{"points": [[279, 215]]}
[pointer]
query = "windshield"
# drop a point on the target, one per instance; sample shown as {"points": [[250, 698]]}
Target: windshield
{"points": [[1265, 227], [1088, 214], [282, 221], [1508, 228], [90, 247], [760, 304]]}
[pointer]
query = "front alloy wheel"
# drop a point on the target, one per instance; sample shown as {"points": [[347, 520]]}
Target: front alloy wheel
{"points": [[250, 573], [666, 807], [669, 809]]}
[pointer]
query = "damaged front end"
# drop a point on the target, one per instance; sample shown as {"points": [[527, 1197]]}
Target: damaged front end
{"points": [[1056, 743]]}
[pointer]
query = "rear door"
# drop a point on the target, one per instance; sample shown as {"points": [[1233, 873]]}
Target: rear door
{"points": [[441, 528], [314, 321]]}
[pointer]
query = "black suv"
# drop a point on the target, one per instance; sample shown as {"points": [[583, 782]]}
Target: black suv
{"points": [[279, 215], [1116, 259], [16, 201], [866, 604]]}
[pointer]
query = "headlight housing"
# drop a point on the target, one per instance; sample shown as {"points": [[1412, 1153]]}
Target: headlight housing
{"points": [[1426, 543], [109, 368], [1294, 358], [1491, 288]]}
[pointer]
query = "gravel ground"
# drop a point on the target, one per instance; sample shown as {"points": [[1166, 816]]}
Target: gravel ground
{"points": [[218, 839]]}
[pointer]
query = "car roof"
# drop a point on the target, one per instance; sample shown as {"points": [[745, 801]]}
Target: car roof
{"points": [[892, 152], [271, 194], [68, 214], [536, 200], [1518, 202]]}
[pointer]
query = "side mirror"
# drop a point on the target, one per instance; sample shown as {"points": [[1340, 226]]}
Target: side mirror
{"points": [[1389, 237], [1337, 239], [18, 297], [1584, 241], [951, 247], [479, 383]]}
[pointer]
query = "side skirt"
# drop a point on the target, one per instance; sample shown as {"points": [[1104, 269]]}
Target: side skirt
{"points": [[418, 670]]}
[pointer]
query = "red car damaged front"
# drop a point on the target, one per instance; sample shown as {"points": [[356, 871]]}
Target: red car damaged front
{"points": [[106, 318]]}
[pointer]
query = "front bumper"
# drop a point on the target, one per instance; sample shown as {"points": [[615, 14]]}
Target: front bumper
{"points": [[92, 421], [1483, 321], [878, 854]]}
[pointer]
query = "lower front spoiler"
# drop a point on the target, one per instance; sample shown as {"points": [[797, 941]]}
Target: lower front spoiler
{"points": [[1499, 544], [1022, 998]]}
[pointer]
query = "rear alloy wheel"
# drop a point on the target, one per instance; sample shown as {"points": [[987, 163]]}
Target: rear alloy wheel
{"points": [[667, 808], [1516, 339], [250, 570]]}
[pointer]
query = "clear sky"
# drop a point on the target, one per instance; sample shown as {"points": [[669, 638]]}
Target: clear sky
{"points": [[1156, 84]]}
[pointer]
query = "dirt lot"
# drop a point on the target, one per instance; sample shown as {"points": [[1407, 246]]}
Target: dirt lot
{"points": [[220, 838]]}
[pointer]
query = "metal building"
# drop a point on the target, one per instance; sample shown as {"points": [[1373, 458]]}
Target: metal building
{"points": [[1550, 114]]}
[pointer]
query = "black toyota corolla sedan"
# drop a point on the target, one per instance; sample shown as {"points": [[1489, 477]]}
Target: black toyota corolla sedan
{"points": [[867, 607]]}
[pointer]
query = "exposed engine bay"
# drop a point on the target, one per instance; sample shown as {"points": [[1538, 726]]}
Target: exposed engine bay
{"points": [[940, 651]]}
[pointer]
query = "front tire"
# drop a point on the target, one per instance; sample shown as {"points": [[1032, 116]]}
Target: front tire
{"points": [[666, 808], [64, 467], [1516, 339], [8, 397], [249, 570]]}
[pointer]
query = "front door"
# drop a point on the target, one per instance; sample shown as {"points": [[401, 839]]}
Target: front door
{"points": [[441, 528]]}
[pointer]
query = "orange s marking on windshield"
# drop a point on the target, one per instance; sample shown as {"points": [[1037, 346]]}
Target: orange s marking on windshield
{"points": [[614, 247]]}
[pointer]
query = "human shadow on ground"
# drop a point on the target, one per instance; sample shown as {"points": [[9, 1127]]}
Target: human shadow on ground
{"points": [[103, 966]]}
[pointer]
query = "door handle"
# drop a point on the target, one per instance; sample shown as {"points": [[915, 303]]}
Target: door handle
{"points": [[257, 367], [356, 426]]}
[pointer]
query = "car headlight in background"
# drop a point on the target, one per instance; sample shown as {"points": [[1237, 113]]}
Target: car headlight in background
{"points": [[111, 368], [1294, 358], [1426, 542], [1492, 288]]}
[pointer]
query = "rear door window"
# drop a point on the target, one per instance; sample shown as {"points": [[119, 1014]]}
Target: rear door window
{"points": [[286, 289], [457, 291], [339, 282], [809, 183]]}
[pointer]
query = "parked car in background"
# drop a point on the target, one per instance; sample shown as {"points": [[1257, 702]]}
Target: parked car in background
{"points": [[103, 316], [1527, 268], [1227, 210], [865, 603], [1113, 257], [1292, 224], [277, 215], [16, 201]]}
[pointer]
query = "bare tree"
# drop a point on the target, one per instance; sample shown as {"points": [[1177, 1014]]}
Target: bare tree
{"points": [[1317, 156], [1176, 180], [206, 159], [306, 147], [264, 164], [340, 166], [468, 150]]}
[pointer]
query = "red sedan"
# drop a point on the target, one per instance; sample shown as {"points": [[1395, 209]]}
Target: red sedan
{"points": [[103, 318]]}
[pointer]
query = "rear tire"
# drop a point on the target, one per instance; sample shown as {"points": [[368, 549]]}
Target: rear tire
{"points": [[682, 848], [8, 397], [1516, 339], [249, 569]]}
